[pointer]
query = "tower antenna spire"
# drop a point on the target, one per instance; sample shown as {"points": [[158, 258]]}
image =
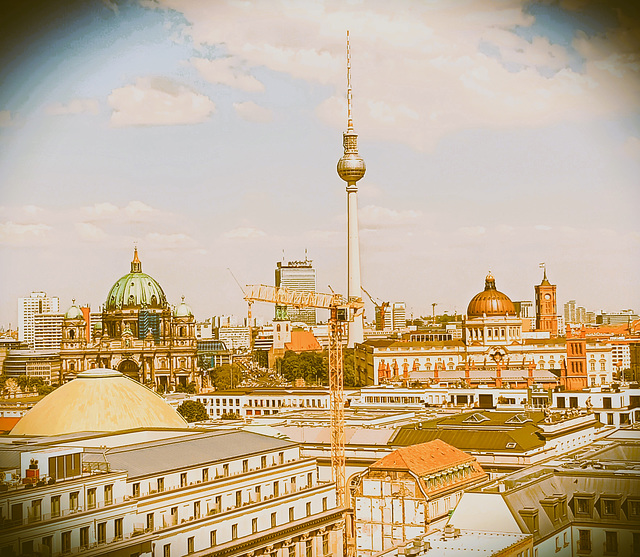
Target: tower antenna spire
{"points": [[349, 92]]}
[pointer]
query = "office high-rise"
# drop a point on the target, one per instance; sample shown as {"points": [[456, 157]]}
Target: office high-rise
{"points": [[38, 302], [299, 276]]}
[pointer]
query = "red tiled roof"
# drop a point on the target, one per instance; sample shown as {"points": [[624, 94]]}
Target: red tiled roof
{"points": [[7, 423], [424, 458], [303, 341]]}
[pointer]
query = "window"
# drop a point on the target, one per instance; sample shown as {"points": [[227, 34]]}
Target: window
{"points": [[254, 525], [309, 479], [47, 541], [190, 544], [292, 514], [102, 532], [560, 401], [292, 550], [196, 509], [212, 537], [611, 543], [325, 543], [584, 540], [609, 507], [166, 550], [582, 506], [117, 528], [634, 508], [609, 419], [108, 494], [205, 474], [225, 470], [234, 531], [324, 503], [136, 489], [309, 509], [55, 506], [65, 542], [73, 500], [635, 548], [308, 548], [276, 489], [160, 484], [84, 537], [281, 458], [183, 479], [274, 520], [150, 522], [263, 461], [245, 466], [606, 402], [91, 498]]}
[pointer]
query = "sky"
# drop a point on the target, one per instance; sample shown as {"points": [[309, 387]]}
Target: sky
{"points": [[497, 135]]}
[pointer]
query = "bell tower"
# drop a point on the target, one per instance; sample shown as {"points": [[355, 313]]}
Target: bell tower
{"points": [[546, 308]]}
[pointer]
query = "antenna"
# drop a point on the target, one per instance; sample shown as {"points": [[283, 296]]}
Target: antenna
{"points": [[349, 94]]}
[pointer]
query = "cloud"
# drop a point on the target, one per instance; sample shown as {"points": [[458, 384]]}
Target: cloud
{"points": [[100, 210], [227, 71], [472, 231], [631, 147], [170, 241], [252, 112], [75, 106], [138, 209], [12, 232], [419, 74], [245, 233], [373, 217], [7, 120], [90, 232], [158, 102]]}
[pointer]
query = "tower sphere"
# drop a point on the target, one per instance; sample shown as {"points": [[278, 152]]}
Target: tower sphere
{"points": [[351, 167]]}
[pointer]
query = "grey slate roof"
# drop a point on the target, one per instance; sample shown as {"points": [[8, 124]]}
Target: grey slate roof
{"points": [[191, 451]]}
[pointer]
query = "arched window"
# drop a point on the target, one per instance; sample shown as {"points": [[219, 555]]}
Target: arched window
{"points": [[72, 333]]}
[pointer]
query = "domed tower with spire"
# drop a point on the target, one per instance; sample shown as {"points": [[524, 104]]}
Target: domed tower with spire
{"points": [[491, 318], [140, 335], [351, 168]]}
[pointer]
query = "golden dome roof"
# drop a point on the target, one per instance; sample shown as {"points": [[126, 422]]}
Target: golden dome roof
{"points": [[490, 302], [98, 400]]}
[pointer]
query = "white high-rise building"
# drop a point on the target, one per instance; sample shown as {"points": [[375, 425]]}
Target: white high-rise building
{"points": [[47, 331], [301, 277], [38, 302]]}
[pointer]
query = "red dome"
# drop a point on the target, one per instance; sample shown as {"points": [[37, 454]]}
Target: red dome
{"points": [[490, 302]]}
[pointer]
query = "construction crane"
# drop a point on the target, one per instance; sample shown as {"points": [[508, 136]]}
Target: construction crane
{"points": [[382, 310], [341, 310]]}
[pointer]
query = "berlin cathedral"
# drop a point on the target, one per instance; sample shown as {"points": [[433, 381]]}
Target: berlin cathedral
{"points": [[137, 333]]}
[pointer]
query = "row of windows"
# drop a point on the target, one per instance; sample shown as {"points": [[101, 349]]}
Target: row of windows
{"points": [[83, 541], [292, 548]]}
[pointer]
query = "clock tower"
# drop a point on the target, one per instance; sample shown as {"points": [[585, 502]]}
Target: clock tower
{"points": [[546, 310]]}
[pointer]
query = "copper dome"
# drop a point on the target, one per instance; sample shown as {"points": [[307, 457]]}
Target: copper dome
{"points": [[490, 301]]}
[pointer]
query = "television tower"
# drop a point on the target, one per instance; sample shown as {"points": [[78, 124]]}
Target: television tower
{"points": [[351, 168]]}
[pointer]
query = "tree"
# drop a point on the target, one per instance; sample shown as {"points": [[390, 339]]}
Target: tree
{"points": [[351, 378], [226, 376], [193, 411], [310, 366], [191, 388]]}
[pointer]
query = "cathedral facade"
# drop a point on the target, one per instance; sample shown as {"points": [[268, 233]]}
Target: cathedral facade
{"points": [[138, 333]]}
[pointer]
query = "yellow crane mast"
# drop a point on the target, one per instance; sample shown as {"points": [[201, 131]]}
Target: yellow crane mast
{"points": [[341, 311]]}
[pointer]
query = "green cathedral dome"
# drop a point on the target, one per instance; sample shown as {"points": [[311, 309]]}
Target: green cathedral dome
{"points": [[136, 290]]}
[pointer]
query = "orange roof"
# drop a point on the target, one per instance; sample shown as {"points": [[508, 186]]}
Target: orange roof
{"points": [[7, 423], [303, 341], [424, 458]]}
